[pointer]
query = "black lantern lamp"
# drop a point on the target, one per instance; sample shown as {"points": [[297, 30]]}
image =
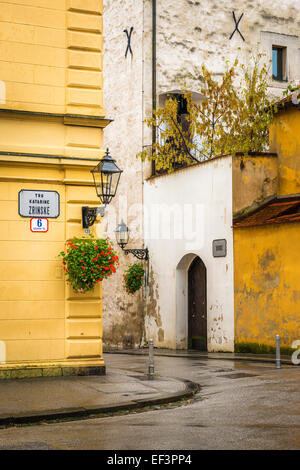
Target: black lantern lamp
{"points": [[106, 177], [122, 236]]}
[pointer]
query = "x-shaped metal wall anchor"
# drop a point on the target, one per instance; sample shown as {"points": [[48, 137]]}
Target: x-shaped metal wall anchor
{"points": [[237, 25], [128, 48]]}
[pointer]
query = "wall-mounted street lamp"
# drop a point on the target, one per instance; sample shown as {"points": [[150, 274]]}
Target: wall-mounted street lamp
{"points": [[122, 236], [106, 177]]}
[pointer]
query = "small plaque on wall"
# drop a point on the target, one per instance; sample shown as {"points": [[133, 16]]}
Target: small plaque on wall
{"points": [[39, 204], [219, 248]]}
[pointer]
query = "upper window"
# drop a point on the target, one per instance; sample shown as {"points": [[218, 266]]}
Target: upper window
{"points": [[182, 114], [284, 53], [182, 117], [279, 63]]}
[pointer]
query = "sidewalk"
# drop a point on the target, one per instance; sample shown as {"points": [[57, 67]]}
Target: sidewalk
{"points": [[53, 398], [194, 354], [50, 398]]}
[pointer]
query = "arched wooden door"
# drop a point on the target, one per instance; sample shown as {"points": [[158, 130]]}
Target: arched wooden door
{"points": [[197, 308]]}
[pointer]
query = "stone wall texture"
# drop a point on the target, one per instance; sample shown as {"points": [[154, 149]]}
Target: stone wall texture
{"points": [[123, 318], [189, 33]]}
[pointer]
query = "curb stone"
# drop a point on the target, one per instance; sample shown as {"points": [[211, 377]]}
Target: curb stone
{"points": [[191, 388], [265, 360]]}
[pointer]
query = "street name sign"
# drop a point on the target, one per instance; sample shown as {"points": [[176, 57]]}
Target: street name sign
{"points": [[39, 225], [37, 203]]}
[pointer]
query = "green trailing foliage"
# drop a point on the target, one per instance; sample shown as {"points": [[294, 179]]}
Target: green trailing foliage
{"points": [[133, 278]]}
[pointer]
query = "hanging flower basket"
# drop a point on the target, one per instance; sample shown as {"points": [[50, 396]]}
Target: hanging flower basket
{"points": [[133, 278], [88, 261]]}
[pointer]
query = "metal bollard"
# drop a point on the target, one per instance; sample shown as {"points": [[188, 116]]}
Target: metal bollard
{"points": [[151, 362], [277, 351]]}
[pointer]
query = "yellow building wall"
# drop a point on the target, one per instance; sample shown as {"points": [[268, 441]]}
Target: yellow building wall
{"points": [[266, 258], [51, 56], [254, 179], [267, 288], [41, 318], [285, 141], [51, 131]]}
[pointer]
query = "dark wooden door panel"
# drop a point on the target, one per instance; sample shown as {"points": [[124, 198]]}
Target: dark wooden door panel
{"points": [[197, 311]]}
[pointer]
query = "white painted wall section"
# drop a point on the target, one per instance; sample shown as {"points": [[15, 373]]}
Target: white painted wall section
{"points": [[203, 195]]}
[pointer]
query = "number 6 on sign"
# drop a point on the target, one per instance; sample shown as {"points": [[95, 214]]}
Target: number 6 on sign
{"points": [[39, 225]]}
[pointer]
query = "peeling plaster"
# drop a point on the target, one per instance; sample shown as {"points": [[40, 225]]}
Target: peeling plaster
{"points": [[189, 33]]}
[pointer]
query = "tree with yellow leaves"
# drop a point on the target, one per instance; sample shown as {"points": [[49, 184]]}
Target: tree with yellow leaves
{"points": [[233, 116]]}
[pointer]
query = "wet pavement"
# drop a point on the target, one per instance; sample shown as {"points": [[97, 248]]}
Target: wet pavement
{"points": [[192, 353], [241, 405], [36, 399]]}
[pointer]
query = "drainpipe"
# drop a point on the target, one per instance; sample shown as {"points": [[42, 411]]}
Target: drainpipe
{"points": [[153, 73]]}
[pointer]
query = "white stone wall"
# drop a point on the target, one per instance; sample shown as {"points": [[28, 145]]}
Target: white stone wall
{"points": [[189, 33], [123, 101], [184, 213]]}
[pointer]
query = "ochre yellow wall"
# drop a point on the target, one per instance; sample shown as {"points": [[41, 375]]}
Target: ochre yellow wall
{"points": [[285, 141], [254, 179], [51, 131], [266, 279], [51, 55], [41, 318], [266, 258]]}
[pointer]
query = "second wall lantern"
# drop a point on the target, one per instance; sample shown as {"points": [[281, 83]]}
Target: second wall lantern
{"points": [[122, 236]]}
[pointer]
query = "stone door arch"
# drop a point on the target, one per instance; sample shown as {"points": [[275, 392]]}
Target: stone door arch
{"points": [[182, 299]]}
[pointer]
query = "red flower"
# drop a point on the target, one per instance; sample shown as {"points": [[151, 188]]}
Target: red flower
{"points": [[106, 269]]}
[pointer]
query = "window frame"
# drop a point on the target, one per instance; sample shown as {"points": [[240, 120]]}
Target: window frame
{"points": [[281, 63]]}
